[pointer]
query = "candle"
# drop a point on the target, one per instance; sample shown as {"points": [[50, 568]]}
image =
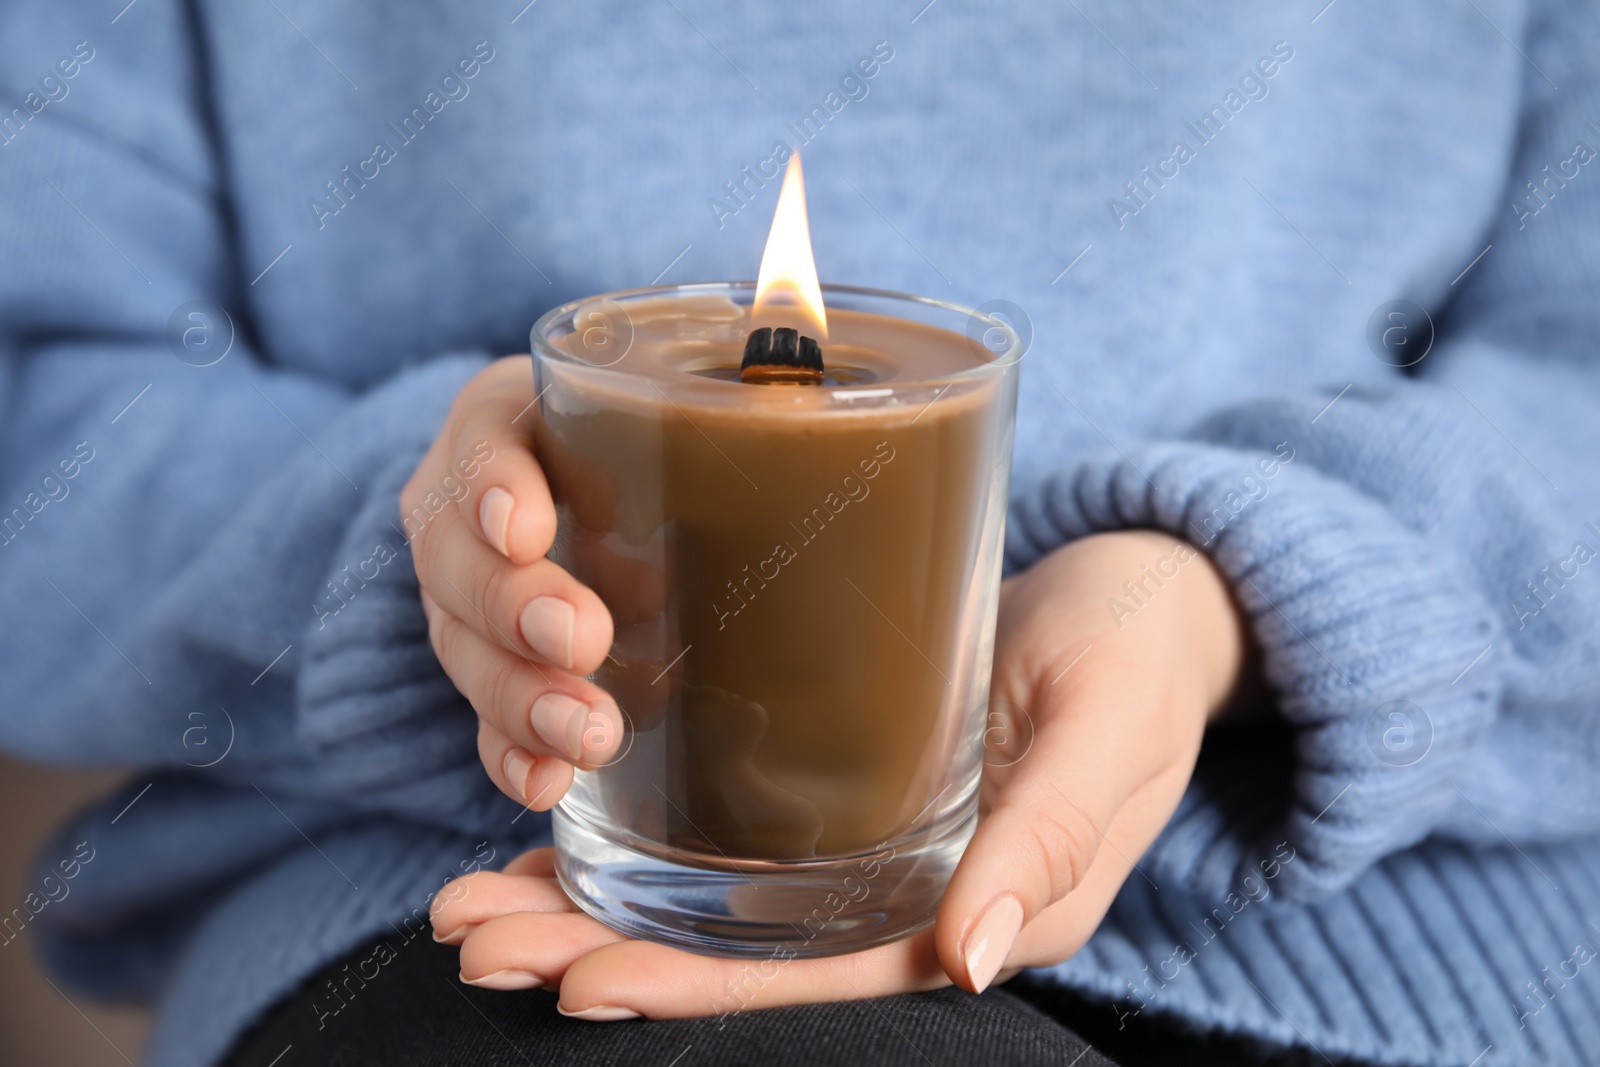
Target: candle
{"points": [[803, 579]]}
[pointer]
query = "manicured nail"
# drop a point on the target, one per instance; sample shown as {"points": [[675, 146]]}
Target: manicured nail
{"points": [[558, 720], [506, 980], [600, 1013], [547, 623], [494, 518], [990, 941], [602, 728], [517, 765]]}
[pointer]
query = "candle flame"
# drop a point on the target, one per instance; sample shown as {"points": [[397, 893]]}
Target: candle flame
{"points": [[788, 277]]}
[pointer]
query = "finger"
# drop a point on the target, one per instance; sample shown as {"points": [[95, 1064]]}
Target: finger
{"points": [[537, 611], [535, 863], [430, 606], [468, 902], [1066, 926], [633, 978], [541, 709], [1091, 752], [530, 950], [532, 779], [487, 446]]}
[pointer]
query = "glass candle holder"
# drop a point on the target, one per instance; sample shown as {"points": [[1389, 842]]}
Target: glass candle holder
{"points": [[804, 582]]}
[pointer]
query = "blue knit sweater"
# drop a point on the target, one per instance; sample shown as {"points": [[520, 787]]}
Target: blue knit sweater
{"points": [[1204, 215]]}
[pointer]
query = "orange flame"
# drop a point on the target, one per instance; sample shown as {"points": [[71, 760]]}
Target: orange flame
{"points": [[788, 277]]}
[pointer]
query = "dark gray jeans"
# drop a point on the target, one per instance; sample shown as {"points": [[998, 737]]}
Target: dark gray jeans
{"points": [[416, 1013]]}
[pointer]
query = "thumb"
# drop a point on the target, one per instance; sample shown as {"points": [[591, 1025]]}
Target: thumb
{"points": [[1093, 749]]}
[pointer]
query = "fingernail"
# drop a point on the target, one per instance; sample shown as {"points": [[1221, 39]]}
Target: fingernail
{"points": [[494, 518], [559, 722], [990, 941], [547, 624], [453, 937], [602, 726], [517, 765], [506, 980], [600, 1013]]}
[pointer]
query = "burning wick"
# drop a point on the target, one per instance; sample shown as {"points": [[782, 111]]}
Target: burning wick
{"points": [[787, 289], [781, 357]]}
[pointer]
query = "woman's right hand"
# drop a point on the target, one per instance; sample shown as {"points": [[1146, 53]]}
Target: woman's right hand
{"points": [[515, 632]]}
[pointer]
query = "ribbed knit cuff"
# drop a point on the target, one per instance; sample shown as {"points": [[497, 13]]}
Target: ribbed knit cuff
{"points": [[1363, 627], [391, 731], [1438, 956], [374, 724]]}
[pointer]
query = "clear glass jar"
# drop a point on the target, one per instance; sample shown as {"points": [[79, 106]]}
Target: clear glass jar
{"points": [[804, 583]]}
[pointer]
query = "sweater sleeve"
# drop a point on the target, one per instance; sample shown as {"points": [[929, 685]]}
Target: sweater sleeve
{"points": [[1414, 556], [202, 567]]}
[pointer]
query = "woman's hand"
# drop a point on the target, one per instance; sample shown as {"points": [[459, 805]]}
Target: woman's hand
{"points": [[1117, 698], [515, 632]]}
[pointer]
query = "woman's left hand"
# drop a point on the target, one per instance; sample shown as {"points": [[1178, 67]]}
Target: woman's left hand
{"points": [[1117, 699]]}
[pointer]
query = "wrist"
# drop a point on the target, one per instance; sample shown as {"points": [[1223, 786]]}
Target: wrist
{"points": [[1141, 598], [1207, 630], [1226, 664]]}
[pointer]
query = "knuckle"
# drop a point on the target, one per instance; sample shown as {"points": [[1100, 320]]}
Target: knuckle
{"points": [[443, 629], [452, 893], [503, 691], [481, 429], [413, 508], [491, 749], [414, 519], [1064, 842], [496, 595], [444, 632], [408, 492], [423, 563], [425, 552]]}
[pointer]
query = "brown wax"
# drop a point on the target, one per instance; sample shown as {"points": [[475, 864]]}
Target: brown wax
{"points": [[792, 576]]}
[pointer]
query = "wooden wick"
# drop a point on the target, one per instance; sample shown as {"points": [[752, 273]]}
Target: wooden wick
{"points": [[781, 357]]}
